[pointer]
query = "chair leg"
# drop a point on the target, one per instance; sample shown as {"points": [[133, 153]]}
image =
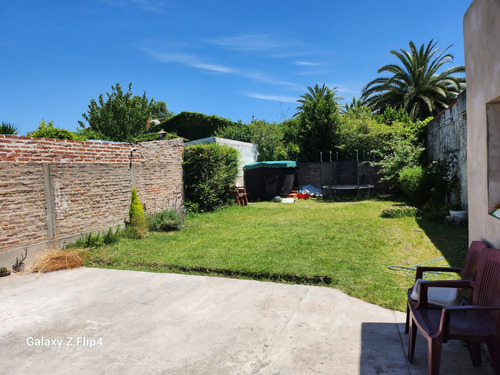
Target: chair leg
{"points": [[475, 353], [494, 351], [407, 325], [411, 339], [434, 348]]}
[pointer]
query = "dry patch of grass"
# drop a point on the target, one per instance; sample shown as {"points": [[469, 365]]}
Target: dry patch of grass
{"points": [[55, 260]]}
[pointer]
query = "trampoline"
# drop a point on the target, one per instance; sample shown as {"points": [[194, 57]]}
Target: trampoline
{"points": [[347, 176], [332, 189]]}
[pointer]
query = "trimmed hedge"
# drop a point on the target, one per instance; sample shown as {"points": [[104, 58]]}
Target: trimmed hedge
{"points": [[401, 211], [210, 172], [192, 126]]}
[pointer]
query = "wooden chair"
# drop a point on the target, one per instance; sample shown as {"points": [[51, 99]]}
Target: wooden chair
{"points": [[466, 273], [240, 196], [476, 323]]}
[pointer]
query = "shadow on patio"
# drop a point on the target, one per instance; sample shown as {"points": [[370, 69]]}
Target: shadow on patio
{"points": [[378, 339]]}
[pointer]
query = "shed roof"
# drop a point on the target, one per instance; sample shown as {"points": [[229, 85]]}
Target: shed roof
{"points": [[271, 164]]}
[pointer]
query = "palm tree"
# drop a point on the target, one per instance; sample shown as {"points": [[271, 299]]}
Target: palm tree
{"points": [[7, 128], [317, 93], [318, 121], [416, 85]]}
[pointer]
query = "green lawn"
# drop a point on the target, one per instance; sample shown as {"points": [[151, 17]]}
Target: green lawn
{"points": [[346, 245]]}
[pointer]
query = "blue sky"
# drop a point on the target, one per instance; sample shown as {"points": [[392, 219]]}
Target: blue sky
{"points": [[235, 59]]}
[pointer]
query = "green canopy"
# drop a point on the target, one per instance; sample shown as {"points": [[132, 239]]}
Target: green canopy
{"points": [[271, 164]]}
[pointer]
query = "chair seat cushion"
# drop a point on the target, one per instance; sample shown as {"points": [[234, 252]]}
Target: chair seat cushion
{"points": [[439, 296], [462, 323]]}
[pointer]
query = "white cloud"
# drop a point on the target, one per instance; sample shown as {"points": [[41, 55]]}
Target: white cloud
{"points": [[191, 61], [197, 63], [276, 98], [213, 68], [157, 6], [249, 42], [345, 89], [307, 63]]}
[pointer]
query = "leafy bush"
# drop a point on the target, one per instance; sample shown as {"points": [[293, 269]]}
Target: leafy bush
{"points": [[111, 237], [237, 132], [405, 154], [191, 207], [137, 221], [441, 180], [411, 181], [358, 131], [166, 220], [96, 240], [401, 211], [48, 130], [393, 115], [210, 172]]}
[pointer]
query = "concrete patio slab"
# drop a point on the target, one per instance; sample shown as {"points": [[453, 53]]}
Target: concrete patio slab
{"points": [[96, 321]]}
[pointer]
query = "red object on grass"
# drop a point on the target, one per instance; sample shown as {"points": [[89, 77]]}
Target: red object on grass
{"points": [[306, 196], [300, 196]]}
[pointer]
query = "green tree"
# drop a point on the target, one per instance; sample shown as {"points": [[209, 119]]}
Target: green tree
{"points": [[392, 116], [405, 153], [122, 116], [318, 115], [238, 132], [290, 130], [48, 130], [360, 131], [418, 85], [192, 125], [8, 128], [269, 138]]}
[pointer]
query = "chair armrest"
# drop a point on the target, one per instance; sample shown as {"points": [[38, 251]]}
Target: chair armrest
{"points": [[426, 284], [446, 312], [471, 308], [421, 270]]}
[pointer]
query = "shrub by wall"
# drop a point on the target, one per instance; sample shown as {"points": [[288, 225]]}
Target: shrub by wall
{"points": [[137, 220], [210, 172]]}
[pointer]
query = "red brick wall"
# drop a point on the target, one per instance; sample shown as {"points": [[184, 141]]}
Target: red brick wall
{"points": [[22, 205], [84, 186]]}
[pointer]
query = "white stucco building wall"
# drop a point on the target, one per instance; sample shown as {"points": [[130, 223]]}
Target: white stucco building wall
{"points": [[482, 63]]}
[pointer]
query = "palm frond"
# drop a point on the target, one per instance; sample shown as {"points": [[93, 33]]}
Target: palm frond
{"points": [[417, 83]]}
